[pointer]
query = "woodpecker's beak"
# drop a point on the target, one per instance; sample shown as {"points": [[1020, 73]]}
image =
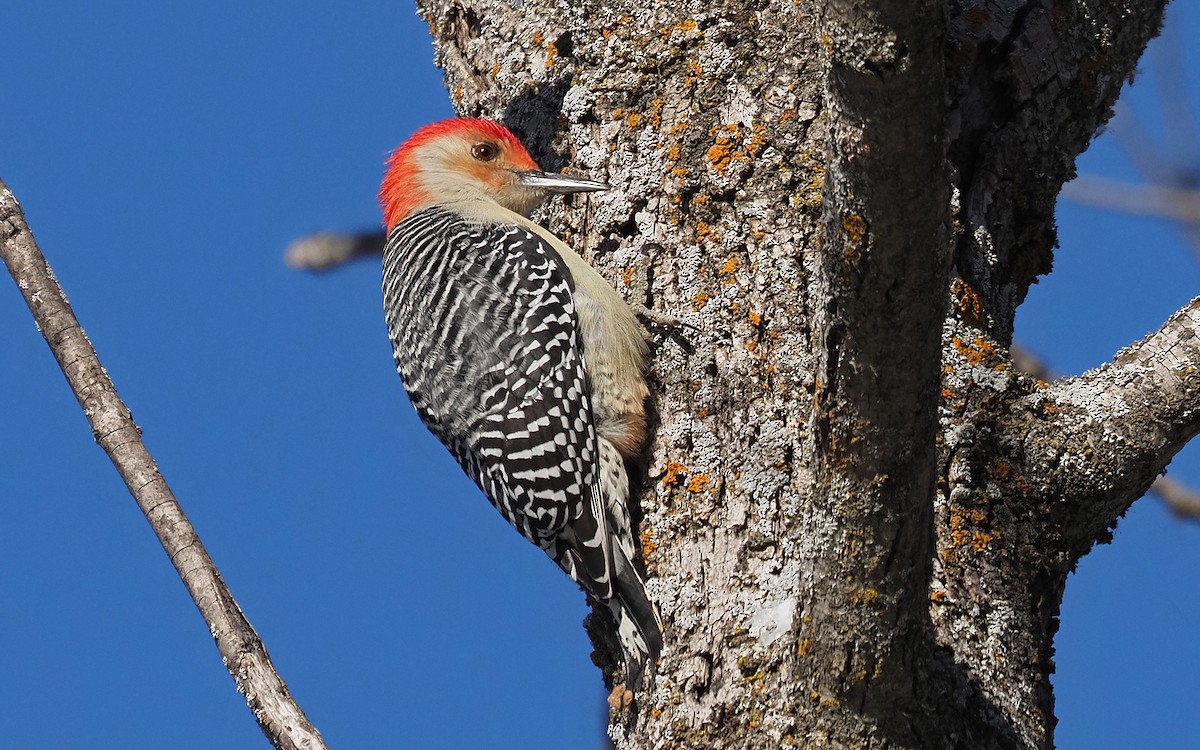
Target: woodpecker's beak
{"points": [[559, 183]]}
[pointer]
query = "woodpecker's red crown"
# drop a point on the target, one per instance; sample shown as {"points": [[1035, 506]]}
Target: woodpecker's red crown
{"points": [[465, 161]]}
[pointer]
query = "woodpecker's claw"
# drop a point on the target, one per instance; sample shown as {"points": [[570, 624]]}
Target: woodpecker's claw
{"points": [[666, 320], [620, 697]]}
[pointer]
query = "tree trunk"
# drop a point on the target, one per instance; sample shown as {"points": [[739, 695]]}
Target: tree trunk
{"points": [[858, 515]]}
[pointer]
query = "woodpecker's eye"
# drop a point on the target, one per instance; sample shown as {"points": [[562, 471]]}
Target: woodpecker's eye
{"points": [[484, 151]]}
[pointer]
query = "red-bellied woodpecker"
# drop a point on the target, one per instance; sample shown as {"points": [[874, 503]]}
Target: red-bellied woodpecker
{"points": [[519, 356]]}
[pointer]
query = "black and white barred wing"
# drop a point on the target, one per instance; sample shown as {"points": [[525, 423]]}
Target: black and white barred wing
{"points": [[484, 332]]}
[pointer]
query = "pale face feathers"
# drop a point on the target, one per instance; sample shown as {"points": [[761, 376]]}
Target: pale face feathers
{"points": [[465, 162]]}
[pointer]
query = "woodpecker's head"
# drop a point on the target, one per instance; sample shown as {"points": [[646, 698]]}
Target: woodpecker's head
{"points": [[463, 160]]}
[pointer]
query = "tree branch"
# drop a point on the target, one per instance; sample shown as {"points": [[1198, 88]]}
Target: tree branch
{"points": [[1179, 498], [1182, 500], [1162, 201], [325, 251], [1102, 438], [280, 718]]}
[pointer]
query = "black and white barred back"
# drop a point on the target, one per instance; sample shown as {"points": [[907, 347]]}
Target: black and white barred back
{"points": [[485, 337]]}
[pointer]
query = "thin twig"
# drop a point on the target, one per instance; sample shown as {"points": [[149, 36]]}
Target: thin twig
{"points": [[1175, 203], [325, 251], [1182, 500], [243, 652], [1171, 167]]}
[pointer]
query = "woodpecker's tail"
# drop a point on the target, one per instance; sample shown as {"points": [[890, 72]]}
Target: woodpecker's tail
{"points": [[638, 623], [597, 550]]}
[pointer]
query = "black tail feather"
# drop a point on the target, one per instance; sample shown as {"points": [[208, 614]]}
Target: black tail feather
{"points": [[630, 592]]}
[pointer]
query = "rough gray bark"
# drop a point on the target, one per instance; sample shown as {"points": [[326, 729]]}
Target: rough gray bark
{"points": [[858, 516]]}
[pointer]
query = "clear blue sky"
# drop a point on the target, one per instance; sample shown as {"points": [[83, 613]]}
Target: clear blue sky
{"points": [[165, 154]]}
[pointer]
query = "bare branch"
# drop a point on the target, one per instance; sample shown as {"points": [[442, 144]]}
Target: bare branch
{"points": [[1183, 501], [280, 718], [1176, 204], [1030, 363], [1141, 146], [1104, 437], [325, 251], [1171, 169]]}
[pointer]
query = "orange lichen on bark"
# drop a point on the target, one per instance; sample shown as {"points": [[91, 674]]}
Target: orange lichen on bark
{"points": [[968, 301], [855, 226], [648, 544], [977, 353], [818, 180], [964, 531], [683, 26], [698, 482], [551, 54], [757, 140], [720, 154], [675, 473], [656, 109], [980, 540]]}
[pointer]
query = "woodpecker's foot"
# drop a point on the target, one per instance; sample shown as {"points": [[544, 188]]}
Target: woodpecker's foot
{"points": [[620, 698], [653, 317]]}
